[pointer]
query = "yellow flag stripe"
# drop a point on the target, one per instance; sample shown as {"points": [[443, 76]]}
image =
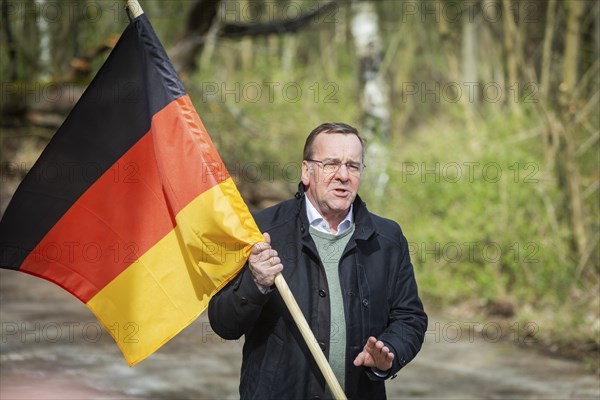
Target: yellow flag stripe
{"points": [[171, 284]]}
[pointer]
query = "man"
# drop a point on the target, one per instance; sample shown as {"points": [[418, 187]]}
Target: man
{"points": [[350, 272]]}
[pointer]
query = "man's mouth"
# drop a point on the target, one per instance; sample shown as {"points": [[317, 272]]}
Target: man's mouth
{"points": [[341, 191]]}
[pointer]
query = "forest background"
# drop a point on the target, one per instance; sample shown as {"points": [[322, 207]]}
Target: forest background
{"points": [[482, 121]]}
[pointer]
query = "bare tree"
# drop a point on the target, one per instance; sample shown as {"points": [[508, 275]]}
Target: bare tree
{"points": [[10, 42], [568, 151], [512, 46], [374, 90], [200, 19], [547, 50]]}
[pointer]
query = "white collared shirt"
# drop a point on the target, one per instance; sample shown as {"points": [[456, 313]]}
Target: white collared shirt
{"points": [[316, 220]]}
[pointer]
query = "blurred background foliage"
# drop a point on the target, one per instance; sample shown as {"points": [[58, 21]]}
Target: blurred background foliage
{"points": [[481, 118]]}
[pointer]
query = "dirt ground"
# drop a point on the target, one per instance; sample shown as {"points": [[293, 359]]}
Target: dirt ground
{"points": [[51, 347]]}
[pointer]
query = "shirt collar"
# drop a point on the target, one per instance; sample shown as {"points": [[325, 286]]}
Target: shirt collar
{"points": [[316, 220]]}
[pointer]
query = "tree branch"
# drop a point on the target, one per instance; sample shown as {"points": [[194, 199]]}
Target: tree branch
{"points": [[236, 31], [200, 19], [203, 15]]}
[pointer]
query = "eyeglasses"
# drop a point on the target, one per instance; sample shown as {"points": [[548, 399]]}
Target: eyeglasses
{"points": [[331, 167]]}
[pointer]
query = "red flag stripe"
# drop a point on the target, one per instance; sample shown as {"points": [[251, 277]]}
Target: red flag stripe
{"points": [[95, 240]]}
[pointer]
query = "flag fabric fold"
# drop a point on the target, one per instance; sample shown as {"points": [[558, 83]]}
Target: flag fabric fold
{"points": [[130, 207]]}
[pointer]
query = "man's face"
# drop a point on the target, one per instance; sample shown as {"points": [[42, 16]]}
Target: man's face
{"points": [[332, 192]]}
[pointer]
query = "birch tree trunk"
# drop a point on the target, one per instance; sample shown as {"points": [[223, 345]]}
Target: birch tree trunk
{"points": [[44, 56], [374, 91]]}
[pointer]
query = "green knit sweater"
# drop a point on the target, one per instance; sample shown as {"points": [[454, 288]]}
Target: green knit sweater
{"points": [[330, 248]]}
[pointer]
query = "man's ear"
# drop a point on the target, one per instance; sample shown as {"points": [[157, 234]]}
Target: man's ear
{"points": [[305, 172]]}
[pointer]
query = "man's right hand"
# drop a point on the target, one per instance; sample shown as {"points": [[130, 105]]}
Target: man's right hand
{"points": [[264, 263]]}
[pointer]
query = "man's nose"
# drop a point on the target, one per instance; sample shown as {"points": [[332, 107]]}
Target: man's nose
{"points": [[342, 173]]}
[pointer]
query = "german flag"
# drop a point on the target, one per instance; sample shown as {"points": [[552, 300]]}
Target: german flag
{"points": [[130, 207]]}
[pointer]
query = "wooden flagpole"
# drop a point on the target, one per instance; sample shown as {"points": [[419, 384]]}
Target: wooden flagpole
{"points": [[309, 337], [136, 10]]}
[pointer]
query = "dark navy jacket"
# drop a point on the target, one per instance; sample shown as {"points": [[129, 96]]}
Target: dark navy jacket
{"points": [[380, 299]]}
